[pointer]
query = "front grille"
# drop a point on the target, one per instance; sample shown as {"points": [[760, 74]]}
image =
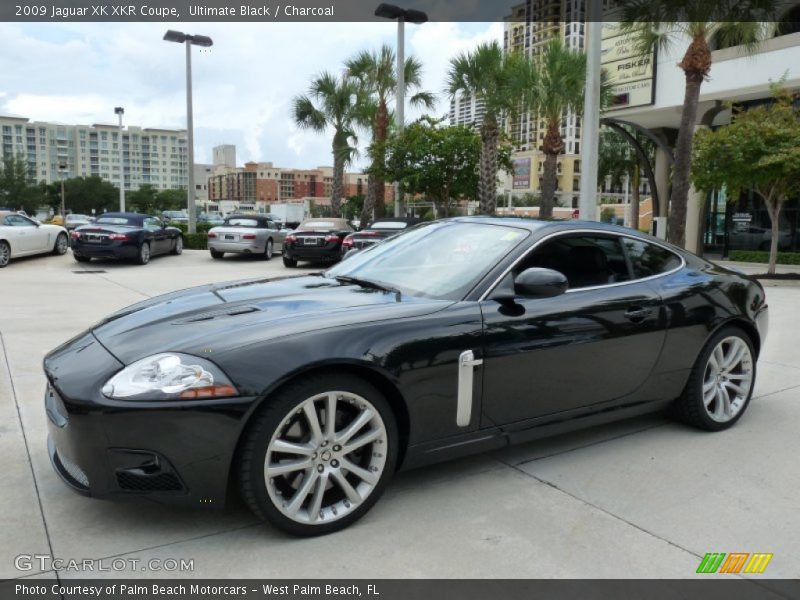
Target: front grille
{"points": [[139, 482], [73, 470]]}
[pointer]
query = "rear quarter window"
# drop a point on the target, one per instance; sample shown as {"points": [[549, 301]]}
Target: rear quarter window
{"points": [[648, 259]]}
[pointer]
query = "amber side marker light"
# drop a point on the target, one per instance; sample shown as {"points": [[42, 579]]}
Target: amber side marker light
{"points": [[214, 391]]}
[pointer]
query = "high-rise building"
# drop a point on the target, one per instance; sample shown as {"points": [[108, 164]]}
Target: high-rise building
{"points": [[54, 150], [466, 109], [224, 156], [528, 29]]}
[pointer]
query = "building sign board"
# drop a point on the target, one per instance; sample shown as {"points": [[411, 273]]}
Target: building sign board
{"points": [[630, 73], [522, 174]]}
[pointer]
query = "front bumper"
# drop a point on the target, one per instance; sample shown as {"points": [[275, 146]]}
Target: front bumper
{"points": [[176, 452]]}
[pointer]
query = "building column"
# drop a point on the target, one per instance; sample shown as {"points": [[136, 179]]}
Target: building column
{"points": [[662, 181]]}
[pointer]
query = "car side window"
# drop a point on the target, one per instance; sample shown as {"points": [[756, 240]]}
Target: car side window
{"points": [[152, 224], [585, 260], [648, 259], [18, 221]]}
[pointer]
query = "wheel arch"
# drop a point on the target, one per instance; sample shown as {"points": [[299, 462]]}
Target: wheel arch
{"points": [[748, 327]]}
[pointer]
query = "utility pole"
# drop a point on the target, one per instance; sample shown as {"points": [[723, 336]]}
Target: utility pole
{"points": [[591, 111]]}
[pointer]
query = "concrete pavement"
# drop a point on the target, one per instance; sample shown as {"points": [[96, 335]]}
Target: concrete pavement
{"points": [[641, 498]]}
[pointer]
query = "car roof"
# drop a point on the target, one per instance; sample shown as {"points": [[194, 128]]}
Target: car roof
{"points": [[136, 217]]}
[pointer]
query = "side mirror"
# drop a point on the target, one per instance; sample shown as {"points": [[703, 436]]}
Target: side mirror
{"points": [[540, 283]]}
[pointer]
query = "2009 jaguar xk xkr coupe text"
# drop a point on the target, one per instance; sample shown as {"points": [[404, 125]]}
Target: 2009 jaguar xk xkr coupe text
{"points": [[453, 337]]}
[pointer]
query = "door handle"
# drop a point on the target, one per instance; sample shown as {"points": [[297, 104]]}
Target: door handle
{"points": [[637, 314]]}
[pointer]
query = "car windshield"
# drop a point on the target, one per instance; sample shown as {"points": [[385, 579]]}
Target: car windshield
{"points": [[443, 259], [242, 223], [77, 218], [389, 225], [114, 221]]}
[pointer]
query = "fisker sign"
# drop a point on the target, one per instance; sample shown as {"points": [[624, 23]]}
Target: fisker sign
{"points": [[630, 73]]}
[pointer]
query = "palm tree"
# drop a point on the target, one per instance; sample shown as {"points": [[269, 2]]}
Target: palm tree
{"points": [[500, 83], [337, 106], [617, 159], [556, 87], [661, 23], [377, 73]]}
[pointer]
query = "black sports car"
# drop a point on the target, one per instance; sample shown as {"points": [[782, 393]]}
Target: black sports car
{"points": [[454, 337], [316, 240], [377, 231], [126, 236]]}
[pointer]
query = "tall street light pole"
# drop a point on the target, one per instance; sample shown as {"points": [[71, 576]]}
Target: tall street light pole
{"points": [[205, 42], [62, 171], [121, 111], [401, 15], [591, 111]]}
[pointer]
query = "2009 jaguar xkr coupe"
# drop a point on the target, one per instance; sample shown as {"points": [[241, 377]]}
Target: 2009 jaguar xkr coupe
{"points": [[454, 337]]}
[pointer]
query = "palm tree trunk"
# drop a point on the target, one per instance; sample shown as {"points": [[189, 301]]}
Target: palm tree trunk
{"points": [[337, 189], [369, 202], [552, 145], [774, 211], [696, 64], [637, 180], [487, 183]]}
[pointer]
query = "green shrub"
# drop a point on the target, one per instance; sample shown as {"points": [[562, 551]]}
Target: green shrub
{"points": [[759, 256], [195, 241]]}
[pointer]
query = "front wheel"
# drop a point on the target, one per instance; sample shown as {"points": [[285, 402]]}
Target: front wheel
{"points": [[5, 254], [290, 263], [721, 382], [178, 247], [61, 245], [319, 454], [268, 250], [144, 254]]}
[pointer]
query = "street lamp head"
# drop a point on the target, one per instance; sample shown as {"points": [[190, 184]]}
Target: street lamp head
{"points": [[195, 40], [119, 110], [390, 11]]}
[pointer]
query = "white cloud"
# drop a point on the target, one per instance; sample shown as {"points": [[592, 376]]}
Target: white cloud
{"points": [[243, 86]]}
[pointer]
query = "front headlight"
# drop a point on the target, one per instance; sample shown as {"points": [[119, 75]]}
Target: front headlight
{"points": [[169, 376]]}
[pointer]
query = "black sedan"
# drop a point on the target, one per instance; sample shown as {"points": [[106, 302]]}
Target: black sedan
{"points": [[316, 240], [129, 236], [377, 231], [454, 337]]}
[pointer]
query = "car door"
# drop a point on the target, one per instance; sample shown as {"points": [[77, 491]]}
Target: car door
{"points": [[159, 237], [25, 233], [277, 235], [594, 344]]}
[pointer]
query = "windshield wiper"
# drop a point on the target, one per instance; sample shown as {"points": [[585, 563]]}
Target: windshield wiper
{"points": [[366, 283]]}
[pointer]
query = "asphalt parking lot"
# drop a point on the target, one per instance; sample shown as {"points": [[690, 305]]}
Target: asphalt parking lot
{"points": [[645, 498]]}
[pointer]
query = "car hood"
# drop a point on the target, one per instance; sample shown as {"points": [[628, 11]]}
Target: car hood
{"points": [[214, 319]]}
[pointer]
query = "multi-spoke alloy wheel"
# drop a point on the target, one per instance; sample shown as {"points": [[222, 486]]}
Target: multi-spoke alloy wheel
{"points": [[721, 382], [728, 379], [319, 454]]}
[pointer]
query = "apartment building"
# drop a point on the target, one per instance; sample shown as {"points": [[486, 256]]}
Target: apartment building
{"points": [[53, 150], [466, 109]]}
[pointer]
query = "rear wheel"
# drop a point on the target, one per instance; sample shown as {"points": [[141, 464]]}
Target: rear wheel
{"points": [[290, 263], [178, 248], [144, 254], [61, 245], [216, 253], [319, 454], [5, 254], [268, 250], [721, 383]]}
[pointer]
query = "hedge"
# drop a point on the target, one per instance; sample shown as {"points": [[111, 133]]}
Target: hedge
{"points": [[195, 241], [200, 226], [759, 256]]}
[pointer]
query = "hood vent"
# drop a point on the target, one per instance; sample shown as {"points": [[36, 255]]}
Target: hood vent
{"points": [[208, 316]]}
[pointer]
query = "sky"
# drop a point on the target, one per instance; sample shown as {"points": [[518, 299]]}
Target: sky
{"points": [[76, 73]]}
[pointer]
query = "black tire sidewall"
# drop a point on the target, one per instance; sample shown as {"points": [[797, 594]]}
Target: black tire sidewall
{"points": [[59, 237], [291, 263], [141, 259], [263, 425], [8, 249], [268, 249]]}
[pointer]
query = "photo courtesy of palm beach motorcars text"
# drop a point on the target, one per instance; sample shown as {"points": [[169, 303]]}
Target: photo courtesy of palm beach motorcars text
{"points": [[352, 299]]}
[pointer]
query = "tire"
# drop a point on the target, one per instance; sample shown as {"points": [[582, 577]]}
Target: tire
{"points": [[144, 254], [61, 245], [5, 254], [80, 258], [714, 399], [216, 253], [295, 501], [268, 250], [289, 263], [178, 248]]}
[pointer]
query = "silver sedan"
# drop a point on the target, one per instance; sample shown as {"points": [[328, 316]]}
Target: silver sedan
{"points": [[246, 234]]}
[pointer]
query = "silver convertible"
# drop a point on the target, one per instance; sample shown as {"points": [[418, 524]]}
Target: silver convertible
{"points": [[246, 234]]}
